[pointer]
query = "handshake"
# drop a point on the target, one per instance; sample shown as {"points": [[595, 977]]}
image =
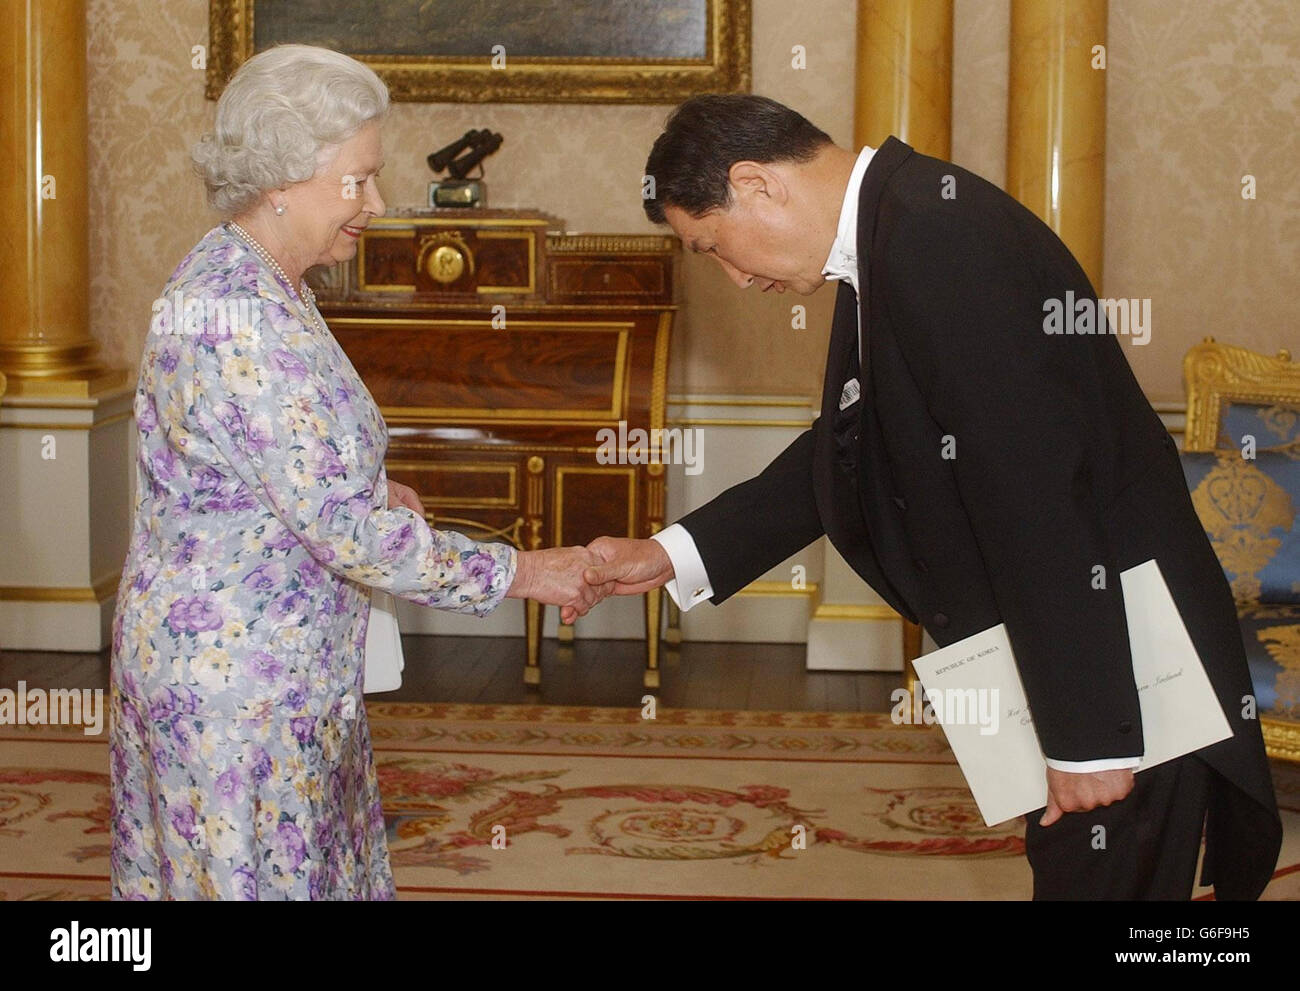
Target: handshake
{"points": [[576, 578]]}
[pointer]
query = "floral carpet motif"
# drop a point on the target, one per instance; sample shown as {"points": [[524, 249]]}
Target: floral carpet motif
{"points": [[519, 801]]}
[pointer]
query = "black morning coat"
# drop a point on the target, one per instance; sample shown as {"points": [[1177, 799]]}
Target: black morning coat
{"points": [[1057, 465]]}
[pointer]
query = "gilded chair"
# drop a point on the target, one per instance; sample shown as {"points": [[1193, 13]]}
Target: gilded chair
{"points": [[1241, 457]]}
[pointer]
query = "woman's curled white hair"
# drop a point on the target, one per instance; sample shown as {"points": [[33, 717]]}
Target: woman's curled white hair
{"points": [[281, 117]]}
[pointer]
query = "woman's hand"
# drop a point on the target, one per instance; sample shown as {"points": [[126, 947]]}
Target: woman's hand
{"points": [[403, 495], [554, 576]]}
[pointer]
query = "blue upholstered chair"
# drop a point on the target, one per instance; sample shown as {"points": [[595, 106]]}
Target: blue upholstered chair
{"points": [[1241, 456]]}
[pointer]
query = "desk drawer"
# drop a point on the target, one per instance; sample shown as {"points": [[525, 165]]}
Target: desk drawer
{"points": [[467, 484], [481, 494], [576, 279]]}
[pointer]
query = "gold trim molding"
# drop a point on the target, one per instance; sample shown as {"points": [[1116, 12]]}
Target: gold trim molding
{"points": [[611, 244], [1281, 739], [704, 421], [1217, 373], [97, 593], [687, 399], [89, 386], [855, 611], [779, 589]]}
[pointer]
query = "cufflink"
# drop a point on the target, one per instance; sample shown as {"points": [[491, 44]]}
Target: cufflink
{"points": [[697, 593]]}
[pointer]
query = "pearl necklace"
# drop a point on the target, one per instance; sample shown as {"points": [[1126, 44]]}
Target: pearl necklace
{"points": [[305, 293]]}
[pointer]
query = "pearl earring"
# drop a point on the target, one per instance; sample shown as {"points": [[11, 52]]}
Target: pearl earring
{"points": [[279, 210]]}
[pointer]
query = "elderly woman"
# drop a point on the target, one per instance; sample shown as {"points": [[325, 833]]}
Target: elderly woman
{"points": [[240, 753]]}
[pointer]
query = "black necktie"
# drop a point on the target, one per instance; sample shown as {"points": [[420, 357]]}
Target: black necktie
{"points": [[843, 367]]}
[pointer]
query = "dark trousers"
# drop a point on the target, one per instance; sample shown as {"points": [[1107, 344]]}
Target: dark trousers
{"points": [[1147, 846]]}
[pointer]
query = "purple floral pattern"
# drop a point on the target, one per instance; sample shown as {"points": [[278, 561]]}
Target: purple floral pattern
{"points": [[241, 762]]}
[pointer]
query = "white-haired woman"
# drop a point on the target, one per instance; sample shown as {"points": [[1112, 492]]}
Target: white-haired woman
{"points": [[240, 755]]}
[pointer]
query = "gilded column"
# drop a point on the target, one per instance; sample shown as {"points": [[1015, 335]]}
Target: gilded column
{"points": [[904, 74], [45, 343], [903, 87], [65, 421], [1056, 121]]}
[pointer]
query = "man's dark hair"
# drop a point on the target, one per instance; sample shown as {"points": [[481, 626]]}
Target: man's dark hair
{"points": [[708, 134]]}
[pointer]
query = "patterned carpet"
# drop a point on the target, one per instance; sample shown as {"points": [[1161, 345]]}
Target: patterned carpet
{"points": [[601, 803]]}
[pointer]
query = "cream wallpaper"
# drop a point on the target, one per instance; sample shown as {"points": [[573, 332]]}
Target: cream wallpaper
{"points": [[1199, 94]]}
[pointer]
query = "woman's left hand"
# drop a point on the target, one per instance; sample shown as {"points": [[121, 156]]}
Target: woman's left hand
{"points": [[403, 495]]}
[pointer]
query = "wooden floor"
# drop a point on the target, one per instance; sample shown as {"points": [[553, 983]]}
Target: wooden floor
{"points": [[587, 672]]}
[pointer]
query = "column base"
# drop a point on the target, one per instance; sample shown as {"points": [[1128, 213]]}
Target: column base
{"points": [[68, 448], [84, 627], [855, 638], [96, 382]]}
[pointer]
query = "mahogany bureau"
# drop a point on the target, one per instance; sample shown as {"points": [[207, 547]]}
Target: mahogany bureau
{"points": [[497, 347]]}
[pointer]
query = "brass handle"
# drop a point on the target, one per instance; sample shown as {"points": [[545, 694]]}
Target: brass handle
{"points": [[445, 264], [445, 257]]}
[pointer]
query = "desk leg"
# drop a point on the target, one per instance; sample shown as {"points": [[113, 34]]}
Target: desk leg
{"points": [[653, 600], [564, 633], [912, 634], [674, 632], [533, 670], [533, 610]]}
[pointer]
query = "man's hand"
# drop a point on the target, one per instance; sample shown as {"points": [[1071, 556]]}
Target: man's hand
{"points": [[1068, 792], [629, 566], [554, 576], [404, 495]]}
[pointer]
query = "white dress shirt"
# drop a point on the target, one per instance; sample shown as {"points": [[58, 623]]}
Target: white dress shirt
{"points": [[688, 568]]}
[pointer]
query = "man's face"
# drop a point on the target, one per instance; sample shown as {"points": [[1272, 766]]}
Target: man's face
{"points": [[757, 239]]}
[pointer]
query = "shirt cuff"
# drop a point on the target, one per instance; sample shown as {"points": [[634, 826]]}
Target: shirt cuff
{"points": [[1091, 766], [688, 567]]}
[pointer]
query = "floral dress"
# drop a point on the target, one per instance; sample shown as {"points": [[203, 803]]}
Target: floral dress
{"points": [[241, 763]]}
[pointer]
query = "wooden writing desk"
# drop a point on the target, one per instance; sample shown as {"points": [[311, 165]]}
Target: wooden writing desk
{"points": [[497, 347]]}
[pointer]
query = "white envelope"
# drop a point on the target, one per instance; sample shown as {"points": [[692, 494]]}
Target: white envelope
{"points": [[1004, 766], [384, 660]]}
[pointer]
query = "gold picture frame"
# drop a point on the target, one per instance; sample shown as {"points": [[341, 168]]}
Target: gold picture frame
{"points": [[724, 64]]}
